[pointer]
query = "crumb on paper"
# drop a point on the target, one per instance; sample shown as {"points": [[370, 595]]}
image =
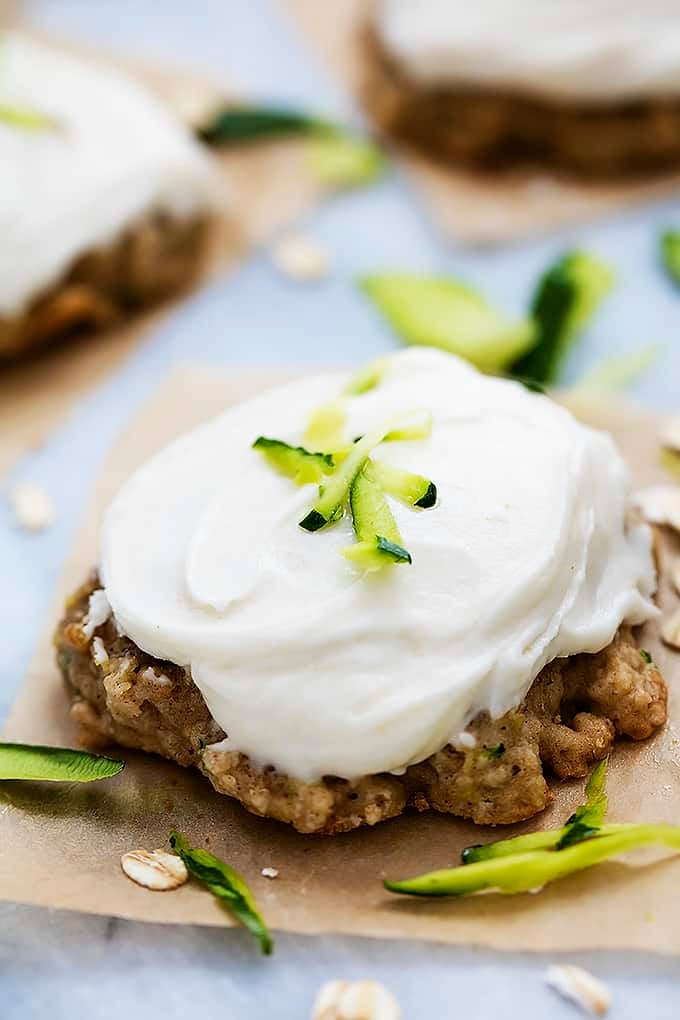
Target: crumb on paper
{"points": [[660, 504], [670, 630], [270, 872], [99, 654], [98, 612], [299, 258], [580, 987], [355, 1000], [159, 870], [33, 508]]}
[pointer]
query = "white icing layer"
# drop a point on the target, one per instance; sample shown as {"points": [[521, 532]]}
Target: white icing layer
{"points": [[118, 153], [600, 50], [315, 668]]}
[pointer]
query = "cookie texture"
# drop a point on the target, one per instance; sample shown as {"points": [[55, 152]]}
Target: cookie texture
{"points": [[573, 713], [155, 257], [493, 129]]}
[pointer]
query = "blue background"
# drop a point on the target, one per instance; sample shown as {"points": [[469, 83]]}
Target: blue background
{"points": [[71, 965]]}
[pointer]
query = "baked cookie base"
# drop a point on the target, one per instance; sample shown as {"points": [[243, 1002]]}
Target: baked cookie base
{"points": [[496, 130], [155, 257], [570, 719]]}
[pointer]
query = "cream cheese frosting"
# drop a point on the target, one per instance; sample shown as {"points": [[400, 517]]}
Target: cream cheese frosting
{"points": [[115, 154], [597, 50], [318, 669]]}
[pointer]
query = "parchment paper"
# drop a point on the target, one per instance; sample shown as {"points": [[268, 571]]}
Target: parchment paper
{"points": [[270, 187], [60, 845], [474, 208]]}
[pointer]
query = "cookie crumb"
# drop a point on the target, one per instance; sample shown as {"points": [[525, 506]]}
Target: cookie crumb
{"points": [[270, 872]]}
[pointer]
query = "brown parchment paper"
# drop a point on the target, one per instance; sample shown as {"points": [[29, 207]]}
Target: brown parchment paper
{"points": [[60, 845], [270, 187], [473, 208]]}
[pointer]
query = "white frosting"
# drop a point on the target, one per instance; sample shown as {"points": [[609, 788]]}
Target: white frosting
{"points": [[575, 49], [118, 152], [317, 669]]}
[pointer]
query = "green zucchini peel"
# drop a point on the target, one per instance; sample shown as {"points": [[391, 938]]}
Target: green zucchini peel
{"points": [[295, 461], [333, 495], [55, 764], [376, 529], [590, 814], [367, 378], [669, 244], [413, 490], [226, 885], [419, 427], [326, 427], [529, 862], [532, 869], [566, 297], [26, 119]]}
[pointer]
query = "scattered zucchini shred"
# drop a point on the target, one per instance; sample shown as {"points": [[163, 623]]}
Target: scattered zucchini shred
{"points": [[493, 752], [379, 542], [342, 160], [413, 490], [566, 297], [434, 311], [225, 884], [26, 119], [646, 657], [333, 495], [55, 764], [326, 427], [420, 427], [670, 460], [295, 461], [367, 378], [234, 125], [527, 863], [669, 244]]}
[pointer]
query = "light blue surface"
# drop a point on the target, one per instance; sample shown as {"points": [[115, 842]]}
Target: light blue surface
{"points": [[73, 966]]}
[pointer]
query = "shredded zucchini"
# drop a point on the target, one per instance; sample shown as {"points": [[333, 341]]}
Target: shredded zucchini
{"points": [[376, 529], [295, 461]]}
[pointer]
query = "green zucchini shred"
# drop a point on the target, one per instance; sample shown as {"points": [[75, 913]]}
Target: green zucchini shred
{"points": [[379, 541], [234, 125], [590, 814], [527, 863], [339, 159], [326, 427], [333, 495], [367, 378], [413, 490], [295, 462], [434, 311], [669, 244], [565, 298], [493, 752], [646, 657], [415, 429], [670, 460]]}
